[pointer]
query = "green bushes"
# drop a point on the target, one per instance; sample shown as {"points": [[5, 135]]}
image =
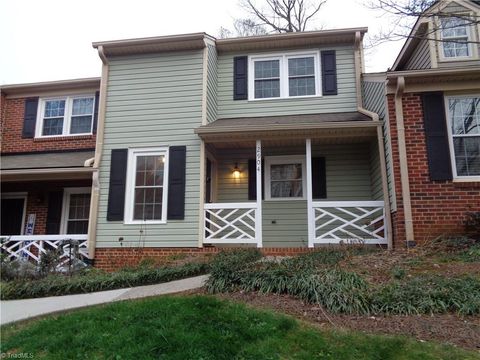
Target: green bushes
{"points": [[317, 278], [95, 280]]}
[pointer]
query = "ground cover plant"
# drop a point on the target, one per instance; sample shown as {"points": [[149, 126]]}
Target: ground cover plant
{"points": [[95, 280], [201, 327], [327, 277]]}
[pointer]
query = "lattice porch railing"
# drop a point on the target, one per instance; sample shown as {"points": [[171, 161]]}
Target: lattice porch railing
{"points": [[231, 223], [31, 247], [349, 222]]}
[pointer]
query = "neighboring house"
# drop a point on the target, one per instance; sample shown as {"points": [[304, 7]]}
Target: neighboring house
{"points": [[258, 141], [48, 145], [432, 124]]}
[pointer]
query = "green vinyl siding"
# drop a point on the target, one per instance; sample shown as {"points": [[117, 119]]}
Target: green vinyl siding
{"points": [[420, 58], [211, 83], [344, 101], [350, 176], [153, 100]]}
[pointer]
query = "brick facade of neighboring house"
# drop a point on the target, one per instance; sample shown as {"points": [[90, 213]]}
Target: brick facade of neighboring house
{"points": [[438, 207], [12, 125]]}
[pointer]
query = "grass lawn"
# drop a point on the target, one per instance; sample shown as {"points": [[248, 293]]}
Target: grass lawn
{"points": [[201, 327]]}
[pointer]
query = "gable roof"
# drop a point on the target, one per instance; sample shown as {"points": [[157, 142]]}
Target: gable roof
{"points": [[420, 26]]}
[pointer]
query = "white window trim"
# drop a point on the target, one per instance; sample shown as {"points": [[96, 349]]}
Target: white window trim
{"points": [[456, 177], [283, 59], [66, 204], [471, 49], [67, 117], [279, 160], [18, 195], [130, 184]]}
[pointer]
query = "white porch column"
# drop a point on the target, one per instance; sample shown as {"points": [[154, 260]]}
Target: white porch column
{"points": [[310, 211], [258, 211]]}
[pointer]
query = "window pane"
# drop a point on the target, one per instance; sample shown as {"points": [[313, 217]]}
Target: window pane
{"points": [[454, 27], [267, 89], [267, 69], [54, 108], [467, 155], [77, 227], [465, 115], [81, 124], [82, 106], [286, 172], [301, 66], [53, 126], [78, 212], [286, 189], [301, 86]]}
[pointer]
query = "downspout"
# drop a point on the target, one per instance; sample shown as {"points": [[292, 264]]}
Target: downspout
{"points": [[402, 152], [381, 145], [92, 224]]}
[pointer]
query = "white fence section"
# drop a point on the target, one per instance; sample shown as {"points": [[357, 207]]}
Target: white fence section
{"points": [[31, 247], [231, 223], [349, 222]]}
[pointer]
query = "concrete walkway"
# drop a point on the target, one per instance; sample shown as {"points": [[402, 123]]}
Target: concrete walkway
{"points": [[16, 310]]}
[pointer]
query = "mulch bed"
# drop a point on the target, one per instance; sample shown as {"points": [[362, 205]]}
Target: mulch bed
{"points": [[446, 328]]}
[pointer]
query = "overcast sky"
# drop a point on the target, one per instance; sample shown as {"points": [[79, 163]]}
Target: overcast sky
{"points": [[43, 40]]}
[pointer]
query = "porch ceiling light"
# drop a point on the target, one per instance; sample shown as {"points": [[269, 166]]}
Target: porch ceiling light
{"points": [[236, 172]]}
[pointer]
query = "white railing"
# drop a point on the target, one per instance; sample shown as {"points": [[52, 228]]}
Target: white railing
{"points": [[231, 223], [349, 222], [32, 247]]}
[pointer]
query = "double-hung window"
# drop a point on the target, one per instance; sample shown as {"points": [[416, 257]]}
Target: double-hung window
{"points": [[284, 76], [71, 115], [455, 38], [285, 177], [464, 128], [76, 210], [147, 180]]}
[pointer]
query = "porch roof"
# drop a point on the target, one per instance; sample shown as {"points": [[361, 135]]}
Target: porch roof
{"points": [[311, 125], [70, 163]]}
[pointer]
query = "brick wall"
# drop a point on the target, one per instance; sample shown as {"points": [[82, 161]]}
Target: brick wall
{"points": [[438, 207], [111, 259], [11, 134]]}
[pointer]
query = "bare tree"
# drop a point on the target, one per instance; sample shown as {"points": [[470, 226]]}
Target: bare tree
{"points": [[404, 13], [243, 27], [283, 16]]}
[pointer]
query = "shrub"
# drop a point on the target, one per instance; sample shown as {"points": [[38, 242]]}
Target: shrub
{"points": [[428, 295], [17, 269], [90, 281]]}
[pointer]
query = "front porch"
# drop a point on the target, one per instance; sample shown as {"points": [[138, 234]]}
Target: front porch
{"points": [[44, 207], [294, 190]]}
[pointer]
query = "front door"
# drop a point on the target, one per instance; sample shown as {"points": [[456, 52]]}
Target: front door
{"points": [[12, 216]]}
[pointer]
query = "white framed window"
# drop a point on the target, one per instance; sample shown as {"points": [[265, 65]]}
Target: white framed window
{"points": [[75, 210], [455, 36], [64, 116], [287, 75], [147, 186], [285, 178], [463, 116]]}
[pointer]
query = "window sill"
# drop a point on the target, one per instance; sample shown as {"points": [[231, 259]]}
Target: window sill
{"points": [[466, 183], [457, 59], [63, 138], [136, 222], [286, 98], [286, 199]]}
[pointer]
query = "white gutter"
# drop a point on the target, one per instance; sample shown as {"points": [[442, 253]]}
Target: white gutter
{"points": [[92, 224]]}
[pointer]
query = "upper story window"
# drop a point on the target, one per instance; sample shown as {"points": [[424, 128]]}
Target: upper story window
{"points": [[455, 38], [464, 128], [284, 76], [71, 115]]}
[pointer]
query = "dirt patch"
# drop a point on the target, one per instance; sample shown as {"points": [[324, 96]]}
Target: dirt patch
{"points": [[446, 328], [381, 268]]}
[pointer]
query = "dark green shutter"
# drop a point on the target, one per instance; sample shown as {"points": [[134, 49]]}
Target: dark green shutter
{"points": [[30, 118], [240, 78], [54, 213], [438, 150], [176, 182], [319, 178], [116, 193], [95, 112], [329, 72]]}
